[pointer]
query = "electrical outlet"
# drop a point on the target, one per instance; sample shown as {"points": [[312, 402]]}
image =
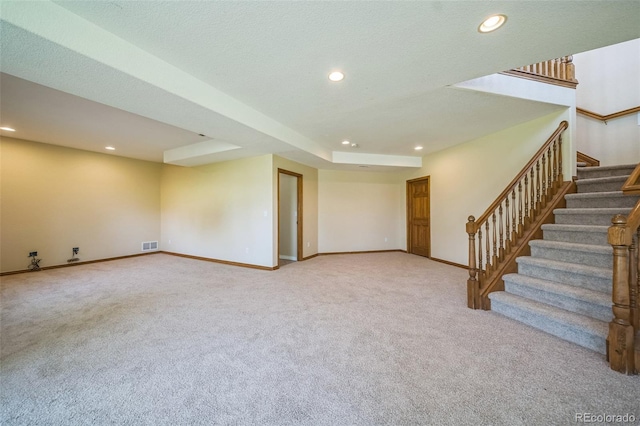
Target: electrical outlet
{"points": [[76, 250], [33, 253]]}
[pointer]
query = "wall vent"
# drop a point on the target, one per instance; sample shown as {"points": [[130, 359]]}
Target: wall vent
{"points": [[149, 245]]}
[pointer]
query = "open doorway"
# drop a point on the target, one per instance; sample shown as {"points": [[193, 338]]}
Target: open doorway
{"points": [[289, 217]]}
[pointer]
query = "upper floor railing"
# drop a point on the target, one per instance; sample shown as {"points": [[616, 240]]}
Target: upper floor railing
{"points": [[560, 71]]}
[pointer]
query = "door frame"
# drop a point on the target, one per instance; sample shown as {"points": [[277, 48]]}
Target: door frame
{"points": [[410, 207], [299, 247]]}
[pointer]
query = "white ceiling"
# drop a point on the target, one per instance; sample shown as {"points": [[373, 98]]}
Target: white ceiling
{"points": [[149, 76]]}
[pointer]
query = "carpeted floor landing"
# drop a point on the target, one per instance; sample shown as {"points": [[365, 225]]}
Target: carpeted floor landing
{"points": [[366, 339]]}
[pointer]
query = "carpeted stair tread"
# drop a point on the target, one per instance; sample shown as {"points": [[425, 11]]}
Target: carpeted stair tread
{"points": [[575, 228], [603, 171], [562, 245], [583, 301], [588, 216], [580, 329], [576, 274], [575, 268], [586, 254], [605, 199], [601, 184], [581, 164], [582, 234]]}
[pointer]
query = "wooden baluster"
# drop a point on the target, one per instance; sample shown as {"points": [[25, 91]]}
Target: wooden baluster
{"points": [[526, 201], [507, 237], [514, 225], [473, 287], [555, 164], [520, 222], [560, 177], [494, 259], [532, 198], [537, 186], [620, 345], [488, 269], [553, 68], [543, 195], [550, 186], [480, 254], [501, 234]]}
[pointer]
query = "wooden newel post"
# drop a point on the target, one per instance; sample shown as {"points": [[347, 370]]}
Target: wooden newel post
{"points": [[620, 349], [473, 285]]}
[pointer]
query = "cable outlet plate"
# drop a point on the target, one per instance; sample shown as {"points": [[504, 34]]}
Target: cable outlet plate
{"points": [[33, 253]]}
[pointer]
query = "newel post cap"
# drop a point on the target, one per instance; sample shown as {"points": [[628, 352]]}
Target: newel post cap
{"points": [[619, 234], [471, 225]]}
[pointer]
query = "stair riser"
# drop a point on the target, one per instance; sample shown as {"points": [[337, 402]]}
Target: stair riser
{"points": [[584, 281], [602, 202], [578, 306], [590, 173], [585, 186], [584, 258], [563, 331], [584, 219], [594, 238]]}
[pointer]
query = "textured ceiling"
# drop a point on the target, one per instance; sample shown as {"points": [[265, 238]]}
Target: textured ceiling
{"points": [[253, 74]]}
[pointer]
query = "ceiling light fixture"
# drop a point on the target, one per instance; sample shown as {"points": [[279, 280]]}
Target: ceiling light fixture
{"points": [[492, 23], [109, 148], [336, 76], [346, 142], [8, 129], [418, 148]]}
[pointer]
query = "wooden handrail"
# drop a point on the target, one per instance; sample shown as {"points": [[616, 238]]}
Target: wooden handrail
{"points": [[607, 117], [514, 218], [584, 158], [623, 342], [561, 128], [632, 184]]}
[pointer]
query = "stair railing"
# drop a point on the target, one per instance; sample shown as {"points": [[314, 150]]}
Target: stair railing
{"points": [[497, 235], [623, 342], [560, 71]]}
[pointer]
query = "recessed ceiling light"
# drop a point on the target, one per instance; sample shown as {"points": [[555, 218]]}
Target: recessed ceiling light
{"points": [[109, 148], [336, 76], [8, 129], [418, 148], [345, 142], [492, 23]]}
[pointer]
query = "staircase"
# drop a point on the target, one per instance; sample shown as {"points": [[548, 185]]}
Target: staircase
{"points": [[564, 287]]}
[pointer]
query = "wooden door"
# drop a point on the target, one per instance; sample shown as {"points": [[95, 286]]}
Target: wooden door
{"points": [[418, 217]]}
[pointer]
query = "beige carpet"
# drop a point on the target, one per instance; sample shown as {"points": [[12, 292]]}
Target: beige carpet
{"points": [[367, 339]]}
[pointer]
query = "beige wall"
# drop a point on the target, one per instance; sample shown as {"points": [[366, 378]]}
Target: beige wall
{"points": [[465, 179], [309, 205], [360, 211], [55, 198], [220, 211], [609, 83]]}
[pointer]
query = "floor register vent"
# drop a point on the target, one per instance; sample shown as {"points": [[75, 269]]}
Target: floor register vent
{"points": [[149, 245]]}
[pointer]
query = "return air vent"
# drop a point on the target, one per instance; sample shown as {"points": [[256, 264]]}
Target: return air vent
{"points": [[149, 245]]}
